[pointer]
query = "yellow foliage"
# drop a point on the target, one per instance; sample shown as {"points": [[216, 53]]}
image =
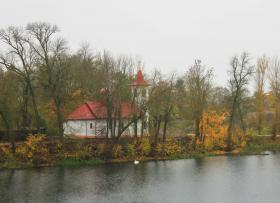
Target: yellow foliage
{"points": [[213, 129], [5, 153], [34, 150], [170, 148]]}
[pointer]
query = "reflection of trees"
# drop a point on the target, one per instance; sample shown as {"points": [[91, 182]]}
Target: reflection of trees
{"points": [[5, 185]]}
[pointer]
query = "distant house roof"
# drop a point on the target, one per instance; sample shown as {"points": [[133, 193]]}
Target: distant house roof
{"points": [[97, 110], [139, 80]]}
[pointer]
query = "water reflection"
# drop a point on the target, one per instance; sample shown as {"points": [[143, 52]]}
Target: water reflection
{"points": [[214, 179]]}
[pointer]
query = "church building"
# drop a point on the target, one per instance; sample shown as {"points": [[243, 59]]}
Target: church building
{"points": [[90, 119]]}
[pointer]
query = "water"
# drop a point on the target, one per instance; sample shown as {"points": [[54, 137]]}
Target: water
{"points": [[214, 179]]}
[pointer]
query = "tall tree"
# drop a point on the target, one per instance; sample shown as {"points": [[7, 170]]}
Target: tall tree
{"points": [[51, 55], [260, 76], [19, 58], [274, 80], [240, 72], [198, 85]]}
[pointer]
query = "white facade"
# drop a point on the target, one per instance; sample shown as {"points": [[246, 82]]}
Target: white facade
{"points": [[95, 128], [85, 120]]}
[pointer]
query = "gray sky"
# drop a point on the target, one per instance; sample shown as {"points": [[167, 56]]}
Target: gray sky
{"points": [[168, 35]]}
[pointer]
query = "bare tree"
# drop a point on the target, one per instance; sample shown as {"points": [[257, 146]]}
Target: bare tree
{"points": [[51, 58], [274, 79], [19, 59], [262, 66], [198, 85], [155, 108], [240, 73]]}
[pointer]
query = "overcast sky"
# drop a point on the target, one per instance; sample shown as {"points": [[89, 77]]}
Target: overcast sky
{"points": [[167, 35]]}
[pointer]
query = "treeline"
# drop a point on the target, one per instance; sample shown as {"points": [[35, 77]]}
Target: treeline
{"points": [[42, 81]]}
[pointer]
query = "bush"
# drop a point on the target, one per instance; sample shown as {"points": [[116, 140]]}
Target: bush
{"points": [[59, 150], [5, 153], [130, 150], [170, 148], [34, 151], [81, 153], [117, 151], [100, 150], [144, 147], [240, 139]]}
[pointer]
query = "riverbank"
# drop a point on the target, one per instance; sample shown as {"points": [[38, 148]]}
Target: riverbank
{"points": [[34, 153]]}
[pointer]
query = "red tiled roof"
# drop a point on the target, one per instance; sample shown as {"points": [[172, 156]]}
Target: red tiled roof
{"points": [[139, 80], [97, 110]]}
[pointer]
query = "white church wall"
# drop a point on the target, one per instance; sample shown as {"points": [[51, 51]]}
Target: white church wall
{"points": [[75, 128], [95, 128]]}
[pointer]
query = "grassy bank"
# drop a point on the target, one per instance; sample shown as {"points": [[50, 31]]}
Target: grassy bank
{"points": [[36, 152]]}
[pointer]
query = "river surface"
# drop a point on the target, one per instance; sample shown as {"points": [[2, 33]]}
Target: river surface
{"points": [[214, 179]]}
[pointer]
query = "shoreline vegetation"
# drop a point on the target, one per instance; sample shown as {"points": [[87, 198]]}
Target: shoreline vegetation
{"points": [[42, 81], [37, 151]]}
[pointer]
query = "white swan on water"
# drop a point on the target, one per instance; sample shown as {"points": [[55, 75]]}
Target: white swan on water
{"points": [[136, 162]]}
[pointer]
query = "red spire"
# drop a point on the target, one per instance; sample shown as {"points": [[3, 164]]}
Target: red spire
{"points": [[139, 80]]}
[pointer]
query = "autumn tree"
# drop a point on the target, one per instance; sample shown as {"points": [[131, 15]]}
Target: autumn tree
{"points": [[198, 81], [213, 128], [240, 72], [260, 76], [274, 80]]}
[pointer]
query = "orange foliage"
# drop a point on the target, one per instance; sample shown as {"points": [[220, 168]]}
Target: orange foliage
{"points": [[213, 128], [34, 150]]}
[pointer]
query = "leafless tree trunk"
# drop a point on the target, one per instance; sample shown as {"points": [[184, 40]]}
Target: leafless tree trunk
{"points": [[240, 72]]}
